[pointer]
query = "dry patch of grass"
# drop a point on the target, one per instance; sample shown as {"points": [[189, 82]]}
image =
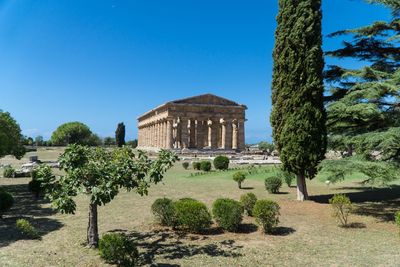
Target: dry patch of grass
{"points": [[307, 234]]}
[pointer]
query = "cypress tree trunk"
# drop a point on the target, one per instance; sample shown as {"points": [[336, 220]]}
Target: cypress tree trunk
{"points": [[302, 193], [92, 230]]}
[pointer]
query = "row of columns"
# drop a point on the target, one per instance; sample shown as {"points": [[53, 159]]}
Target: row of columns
{"points": [[183, 133]]}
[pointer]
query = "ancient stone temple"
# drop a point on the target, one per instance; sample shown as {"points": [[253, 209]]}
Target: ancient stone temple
{"points": [[199, 122]]}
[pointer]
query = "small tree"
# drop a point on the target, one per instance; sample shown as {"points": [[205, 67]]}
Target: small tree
{"points": [[72, 133], [342, 208], [120, 134], [101, 174], [11, 139], [239, 177]]}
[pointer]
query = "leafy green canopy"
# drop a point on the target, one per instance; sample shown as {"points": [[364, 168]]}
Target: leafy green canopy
{"points": [[74, 133], [363, 104], [298, 115], [101, 174], [10, 136]]}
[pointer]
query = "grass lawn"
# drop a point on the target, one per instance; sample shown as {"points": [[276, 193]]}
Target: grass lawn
{"points": [[307, 234]]}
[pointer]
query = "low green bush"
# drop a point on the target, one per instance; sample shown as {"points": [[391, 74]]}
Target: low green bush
{"points": [[341, 207], [205, 165], [288, 177], [267, 214], [248, 201], [196, 165], [6, 201], [27, 229], [192, 215], [228, 213], [397, 218], [163, 210], [239, 177], [273, 184], [9, 172], [185, 165], [221, 163], [117, 249]]}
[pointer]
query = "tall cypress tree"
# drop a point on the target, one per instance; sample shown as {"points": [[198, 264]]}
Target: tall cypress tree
{"points": [[120, 134], [298, 116]]}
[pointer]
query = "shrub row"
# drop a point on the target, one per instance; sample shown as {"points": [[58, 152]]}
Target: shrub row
{"points": [[193, 216]]}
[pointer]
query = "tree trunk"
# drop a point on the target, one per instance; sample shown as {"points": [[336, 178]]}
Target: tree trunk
{"points": [[301, 188], [92, 230]]}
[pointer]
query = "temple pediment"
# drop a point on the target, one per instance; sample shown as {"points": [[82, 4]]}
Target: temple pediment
{"points": [[207, 99]]}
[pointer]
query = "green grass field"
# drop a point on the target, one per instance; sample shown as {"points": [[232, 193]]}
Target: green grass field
{"points": [[307, 234]]}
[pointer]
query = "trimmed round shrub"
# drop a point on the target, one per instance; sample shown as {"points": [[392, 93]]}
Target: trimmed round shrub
{"points": [[196, 165], [221, 163], [192, 215], [342, 207], [6, 201], [267, 214], [272, 184], [239, 177], [163, 210], [248, 201], [185, 165], [205, 166], [9, 172], [228, 213], [117, 249], [27, 229]]}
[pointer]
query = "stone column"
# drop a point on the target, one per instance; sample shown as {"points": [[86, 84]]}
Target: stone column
{"points": [[169, 134], [241, 138], [146, 136], [153, 135], [150, 135], [184, 133], [209, 133], [234, 134], [162, 134], [159, 143], [223, 133], [192, 133], [177, 127]]}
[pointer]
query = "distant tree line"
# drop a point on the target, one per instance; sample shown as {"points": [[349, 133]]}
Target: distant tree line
{"points": [[79, 133]]}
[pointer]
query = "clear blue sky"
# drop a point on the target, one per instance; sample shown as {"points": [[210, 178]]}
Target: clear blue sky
{"points": [[106, 61]]}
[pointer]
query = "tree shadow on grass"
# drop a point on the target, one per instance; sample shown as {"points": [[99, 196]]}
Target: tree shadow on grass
{"points": [[26, 206], [247, 188], [177, 245], [282, 231], [380, 203], [355, 225]]}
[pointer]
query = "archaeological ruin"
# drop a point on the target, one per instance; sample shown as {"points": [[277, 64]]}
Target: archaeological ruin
{"points": [[199, 122]]}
